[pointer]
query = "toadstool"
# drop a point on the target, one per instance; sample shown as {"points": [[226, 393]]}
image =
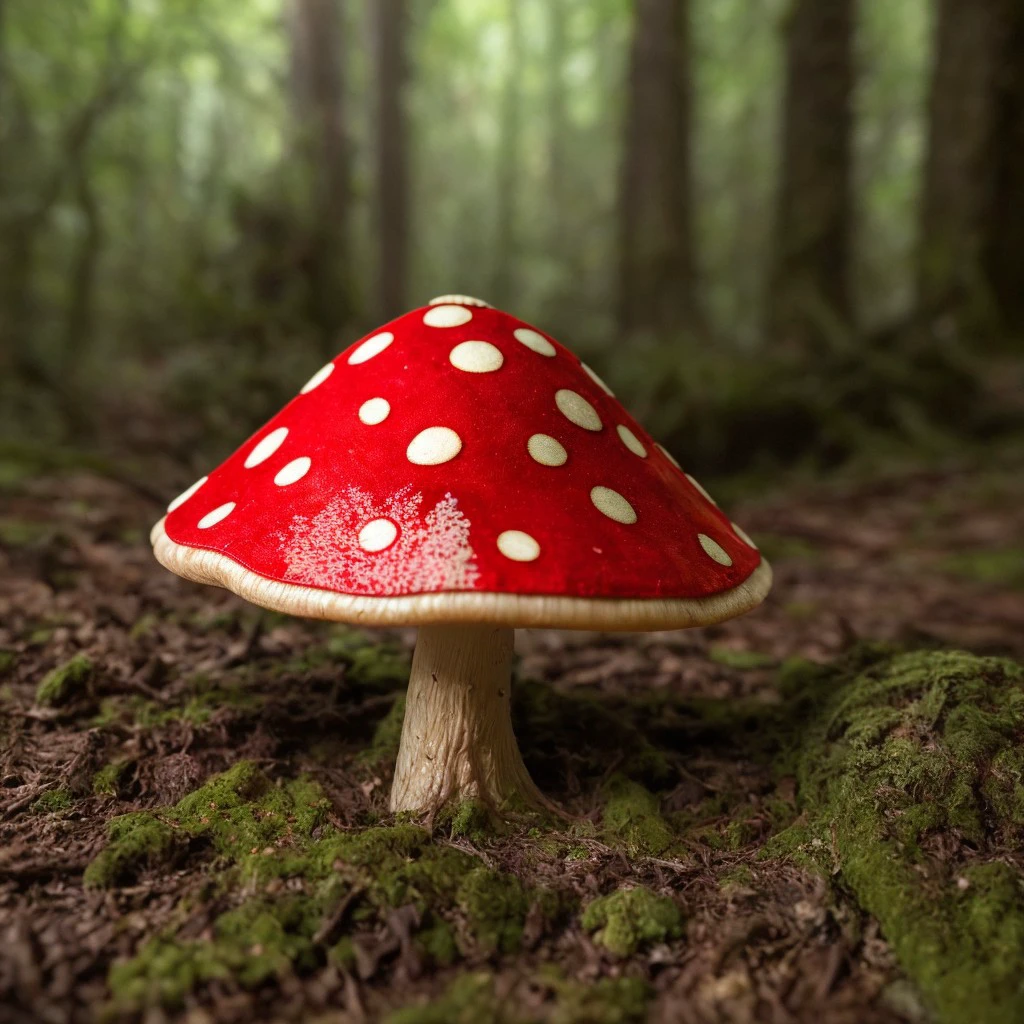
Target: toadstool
{"points": [[460, 471]]}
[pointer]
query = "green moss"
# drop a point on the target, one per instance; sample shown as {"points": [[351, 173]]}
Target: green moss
{"points": [[495, 905], [470, 999], [8, 659], [137, 840], [252, 944], [240, 813], [624, 920], [198, 708], [732, 658], [890, 748], [260, 832], [1004, 567], [632, 819], [65, 681], [606, 1001], [53, 800], [106, 782], [468, 820], [438, 942]]}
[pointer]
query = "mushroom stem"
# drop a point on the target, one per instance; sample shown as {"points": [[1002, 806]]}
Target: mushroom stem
{"points": [[457, 739]]}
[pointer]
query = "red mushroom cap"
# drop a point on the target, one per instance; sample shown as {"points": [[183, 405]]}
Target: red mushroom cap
{"points": [[459, 465]]}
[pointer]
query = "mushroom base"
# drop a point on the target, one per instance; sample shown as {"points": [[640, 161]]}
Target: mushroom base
{"points": [[457, 739]]}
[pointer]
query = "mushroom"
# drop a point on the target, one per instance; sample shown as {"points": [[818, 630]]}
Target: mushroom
{"points": [[460, 471]]}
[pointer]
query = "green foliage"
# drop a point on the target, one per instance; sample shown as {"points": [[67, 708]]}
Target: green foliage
{"points": [[65, 682], [624, 920]]}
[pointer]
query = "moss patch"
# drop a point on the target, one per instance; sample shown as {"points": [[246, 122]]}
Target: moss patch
{"points": [[470, 999], [889, 750], [632, 819], [262, 832], [624, 920], [65, 682], [1004, 567], [53, 800]]}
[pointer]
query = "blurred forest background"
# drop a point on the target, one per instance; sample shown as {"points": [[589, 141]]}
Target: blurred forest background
{"points": [[787, 230]]}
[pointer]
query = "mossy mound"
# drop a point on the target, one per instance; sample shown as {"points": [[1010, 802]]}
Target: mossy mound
{"points": [[891, 752], [625, 920]]}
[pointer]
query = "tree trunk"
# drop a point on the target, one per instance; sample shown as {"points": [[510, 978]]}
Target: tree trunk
{"points": [[506, 242], [810, 274], [80, 320], [657, 267], [1003, 251], [317, 76], [390, 27], [957, 176]]}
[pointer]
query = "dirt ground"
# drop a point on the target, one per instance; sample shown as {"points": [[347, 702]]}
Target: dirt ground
{"points": [[175, 683]]}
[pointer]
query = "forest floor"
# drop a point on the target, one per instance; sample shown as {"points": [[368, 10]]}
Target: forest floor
{"points": [[788, 819]]}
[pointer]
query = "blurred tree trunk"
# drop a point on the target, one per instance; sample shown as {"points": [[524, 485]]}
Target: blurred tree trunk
{"points": [[657, 266], [317, 79], [809, 284], [390, 29], [957, 177], [80, 319], [1003, 252], [506, 243]]}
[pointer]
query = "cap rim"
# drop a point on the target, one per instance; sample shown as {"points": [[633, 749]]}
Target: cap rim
{"points": [[511, 610]]}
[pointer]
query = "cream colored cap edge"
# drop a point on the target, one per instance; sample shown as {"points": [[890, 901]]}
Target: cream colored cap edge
{"points": [[514, 610]]}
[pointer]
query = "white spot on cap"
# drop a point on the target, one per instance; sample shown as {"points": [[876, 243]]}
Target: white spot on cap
{"points": [[714, 550], [476, 357], [374, 411], [701, 489], [576, 409], [631, 441], [462, 300], [318, 378], [546, 450], [295, 470], [534, 340], [447, 316], [518, 546], [266, 447], [597, 380], [668, 455], [613, 505], [371, 347], [377, 535], [433, 446], [219, 513], [743, 536], [185, 495]]}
